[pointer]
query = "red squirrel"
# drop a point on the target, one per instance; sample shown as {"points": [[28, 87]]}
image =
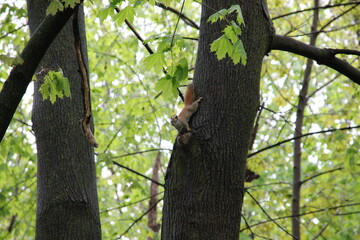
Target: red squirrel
{"points": [[191, 106]]}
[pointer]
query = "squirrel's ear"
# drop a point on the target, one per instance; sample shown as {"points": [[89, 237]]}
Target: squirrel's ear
{"points": [[176, 117]]}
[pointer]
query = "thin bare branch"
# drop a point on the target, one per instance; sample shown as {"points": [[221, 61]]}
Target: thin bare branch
{"points": [[12, 31], [321, 231], [314, 8], [322, 173], [128, 204], [146, 45], [347, 213], [303, 214], [247, 224], [271, 219], [138, 219], [304, 135], [187, 20], [141, 152], [137, 173]]}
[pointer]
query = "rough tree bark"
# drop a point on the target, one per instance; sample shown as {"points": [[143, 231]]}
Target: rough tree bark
{"points": [[67, 206], [205, 178]]}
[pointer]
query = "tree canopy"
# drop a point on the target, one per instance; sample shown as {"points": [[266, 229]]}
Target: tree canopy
{"points": [[141, 54]]}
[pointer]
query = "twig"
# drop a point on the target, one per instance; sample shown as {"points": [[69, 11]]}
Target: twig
{"points": [[187, 20], [319, 174], [347, 213], [177, 24], [303, 214], [321, 231], [271, 219], [247, 225], [12, 31], [137, 173], [128, 204], [138, 219], [314, 8], [146, 45], [304, 135], [140, 152], [267, 184]]}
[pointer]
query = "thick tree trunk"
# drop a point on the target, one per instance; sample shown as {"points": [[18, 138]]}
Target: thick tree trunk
{"points": [[205, 178], [67, 206]]}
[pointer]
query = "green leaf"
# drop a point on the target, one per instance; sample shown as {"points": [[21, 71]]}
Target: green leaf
{"points": [[230, 42], [219, 15], [11, 61], [156, 60], [137, 2], [182, 70], [239, 17], [165, 2], [168, 86], [54, 7], [55, 85], [152, 2], [221, 47], [71, 3], [232, 32], [105, 12], [127, 13], [238, 54]]}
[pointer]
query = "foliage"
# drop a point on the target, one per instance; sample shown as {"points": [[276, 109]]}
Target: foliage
{"points": [[55, 85], [229, 43], [11, 61], [133, 98], [57, 5]]}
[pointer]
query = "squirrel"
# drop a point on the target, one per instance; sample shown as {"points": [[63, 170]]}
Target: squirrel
{"points": [[191, 106]]}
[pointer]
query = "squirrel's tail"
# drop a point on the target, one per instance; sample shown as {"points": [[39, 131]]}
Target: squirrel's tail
{"points": [[190, 94]]}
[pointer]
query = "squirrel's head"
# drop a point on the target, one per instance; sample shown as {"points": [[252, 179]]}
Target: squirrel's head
{"points": [[174, 120]]}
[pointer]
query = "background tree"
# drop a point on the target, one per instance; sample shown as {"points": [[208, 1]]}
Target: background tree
{"points": [[131, 119]]}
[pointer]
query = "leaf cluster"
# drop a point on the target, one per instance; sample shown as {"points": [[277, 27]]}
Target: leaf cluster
{"points": [[55, 86], [229, 43]]}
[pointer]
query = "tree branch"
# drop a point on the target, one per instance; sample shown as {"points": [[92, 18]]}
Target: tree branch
{"points": [[20, 76], [321, 231], [321, 56], [344, 51], [314, 8], [128, 204], [137, 173], [271, 219], [187, 20], [304, 135], [141, 152], [302, 214], [321, 173], [146, 45], [138, 219]]}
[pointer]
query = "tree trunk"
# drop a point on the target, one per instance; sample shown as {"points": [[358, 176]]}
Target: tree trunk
{"points": [[303, 98], [67, 206], [205, 179]]}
